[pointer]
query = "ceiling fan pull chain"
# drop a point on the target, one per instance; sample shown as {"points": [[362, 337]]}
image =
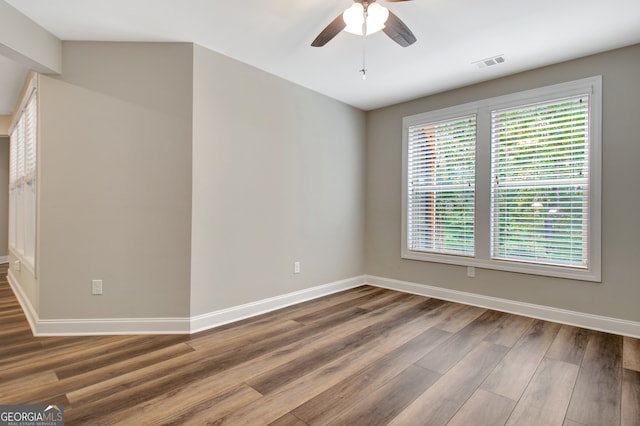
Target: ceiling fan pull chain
{"points": [[364, 42]]}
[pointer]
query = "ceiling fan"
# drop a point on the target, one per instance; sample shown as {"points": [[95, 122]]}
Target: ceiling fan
{"points": [[365, 17]]}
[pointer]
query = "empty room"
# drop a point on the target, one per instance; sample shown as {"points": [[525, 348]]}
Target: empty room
{"points": [[322, 212]]}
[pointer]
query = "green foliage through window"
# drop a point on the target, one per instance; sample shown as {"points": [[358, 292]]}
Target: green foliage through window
{"points": [[540, 182], [441, 190]]}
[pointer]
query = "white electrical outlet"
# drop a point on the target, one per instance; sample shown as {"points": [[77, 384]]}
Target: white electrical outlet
{"points": [[96, 287], [471, 271], [296, 267], [17, 265]]}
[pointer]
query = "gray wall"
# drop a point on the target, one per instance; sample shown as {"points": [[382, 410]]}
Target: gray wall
{"points": [[4, 196], [278, 176], [190, 182], [115, 181], [619, 293], [277, 173]]}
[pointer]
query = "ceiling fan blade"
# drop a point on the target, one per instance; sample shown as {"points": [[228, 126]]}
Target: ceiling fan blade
{"points": [[332, 30], [398, 31]]}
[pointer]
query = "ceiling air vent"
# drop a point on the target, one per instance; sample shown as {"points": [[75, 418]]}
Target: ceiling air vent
{"points": [[488, 62]]}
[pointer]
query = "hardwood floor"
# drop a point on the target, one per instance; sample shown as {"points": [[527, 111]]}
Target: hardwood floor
{"points": [[367, 356]]}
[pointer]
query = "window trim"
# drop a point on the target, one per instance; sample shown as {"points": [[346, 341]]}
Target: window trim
{"points": [[482, 109]]}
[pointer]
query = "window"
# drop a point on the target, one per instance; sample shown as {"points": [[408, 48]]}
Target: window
{"points": [[509, 183], [540, 182], [441, 186], [22, 181]]}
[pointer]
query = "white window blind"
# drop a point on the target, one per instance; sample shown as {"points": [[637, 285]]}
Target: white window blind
{"points": [[540, 178], [23, 194], [18, 142], [30, 129], [441, 186], [13, 177]]}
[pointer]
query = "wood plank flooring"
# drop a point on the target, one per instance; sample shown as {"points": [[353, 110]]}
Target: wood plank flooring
{"points": [[366, 356]]}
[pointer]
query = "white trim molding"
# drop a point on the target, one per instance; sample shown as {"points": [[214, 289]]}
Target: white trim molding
{"points": [[4, 259], [25, 303], [78, 327], [103, 326], [94, 326], [111, 326], [548, 313], [236, 313]]}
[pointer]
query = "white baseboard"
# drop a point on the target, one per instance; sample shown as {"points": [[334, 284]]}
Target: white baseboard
{"points": [[236, 313], [98, 326], [111, 326], [4, 259], [94, 326], [43, 327], [579, 319], [24, 301]]}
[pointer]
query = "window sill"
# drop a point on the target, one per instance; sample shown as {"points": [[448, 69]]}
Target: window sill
{"points": [[508, 266]]}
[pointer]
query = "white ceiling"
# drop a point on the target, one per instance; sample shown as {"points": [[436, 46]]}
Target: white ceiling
{"points": [[275, 35]]}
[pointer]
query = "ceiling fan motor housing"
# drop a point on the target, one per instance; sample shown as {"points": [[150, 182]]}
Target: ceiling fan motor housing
{"points": [[391, 25]]}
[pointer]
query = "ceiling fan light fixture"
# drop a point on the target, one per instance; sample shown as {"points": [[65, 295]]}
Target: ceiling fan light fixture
{"points": [[354, 17]]}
